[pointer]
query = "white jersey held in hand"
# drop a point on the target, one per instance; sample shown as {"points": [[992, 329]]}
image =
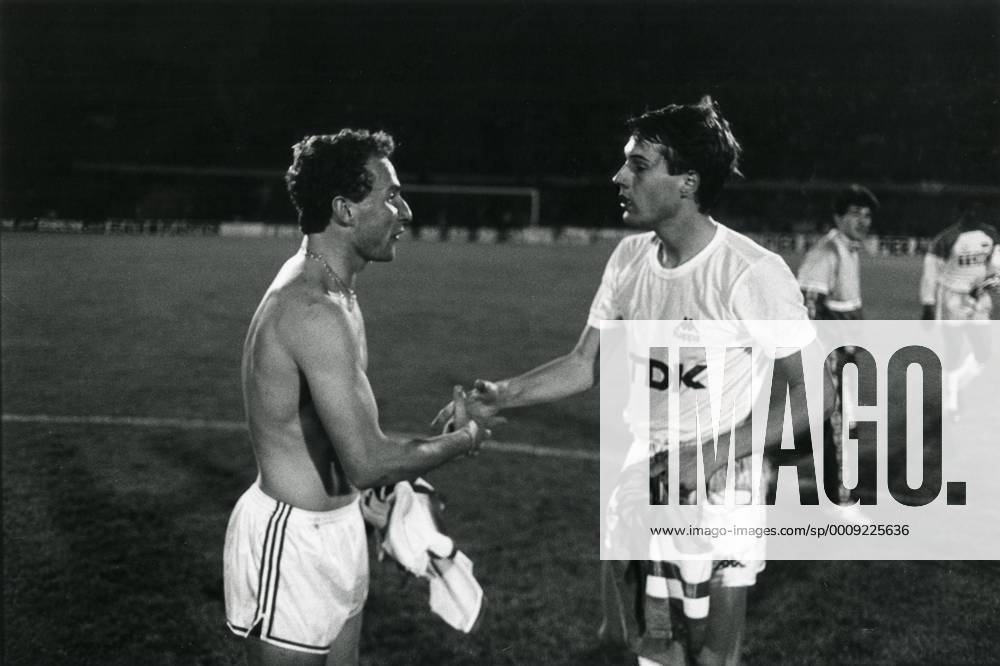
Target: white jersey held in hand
{"points": [[410, 535]]}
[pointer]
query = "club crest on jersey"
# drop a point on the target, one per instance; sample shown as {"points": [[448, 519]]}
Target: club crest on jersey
{"points": [[687, 331]]}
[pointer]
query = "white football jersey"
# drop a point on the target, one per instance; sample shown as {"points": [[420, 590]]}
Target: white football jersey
{"points": [[959, 257], [731, 279], [832, 268]]}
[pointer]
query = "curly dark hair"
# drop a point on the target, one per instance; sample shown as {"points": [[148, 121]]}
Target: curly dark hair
{"points": [[326, 166], [854, 195], [694, 137]]}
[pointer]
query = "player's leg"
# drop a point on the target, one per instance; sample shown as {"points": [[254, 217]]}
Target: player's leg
{"points": [[718, 639], [974, 359], [957, 309], [259, 653], [978, 335], [713, 591], [344, 650], [955, 360], [834, 476], [979, 340], [623, 582], [833, 456], [622, 586], [657, 645], [723, 643]]}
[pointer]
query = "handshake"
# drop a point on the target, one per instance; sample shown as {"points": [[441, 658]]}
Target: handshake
{"points": [[474, 411]]}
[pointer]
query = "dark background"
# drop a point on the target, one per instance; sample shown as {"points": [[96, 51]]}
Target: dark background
{"points": [[517, 93]]}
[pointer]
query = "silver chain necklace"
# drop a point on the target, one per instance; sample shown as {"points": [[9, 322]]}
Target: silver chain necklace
{"points": [[351, 296]]}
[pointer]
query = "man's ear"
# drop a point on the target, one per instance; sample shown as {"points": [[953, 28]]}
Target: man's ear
{"points": [[691, 182], [342, 210]]}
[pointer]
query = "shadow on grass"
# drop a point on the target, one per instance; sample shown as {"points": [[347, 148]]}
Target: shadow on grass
{"points": [[96, 576]]}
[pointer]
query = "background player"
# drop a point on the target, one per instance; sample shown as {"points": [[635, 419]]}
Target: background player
{"points": [[961, 272], [687, 266], [830, 273], [296, 556], [830, 279]]}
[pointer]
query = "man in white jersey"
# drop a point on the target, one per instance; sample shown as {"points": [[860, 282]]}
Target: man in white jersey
{"points": [[296, 556], [830, 279], [687, 266], [961, 273], [830, 273]]}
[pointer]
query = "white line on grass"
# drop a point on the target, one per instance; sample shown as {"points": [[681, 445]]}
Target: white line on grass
{"points": [[236, 426]]}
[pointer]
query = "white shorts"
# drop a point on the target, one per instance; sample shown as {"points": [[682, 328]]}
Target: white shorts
{"points": [[738, 559], [293, 577], [737, 572], [735, 559]]}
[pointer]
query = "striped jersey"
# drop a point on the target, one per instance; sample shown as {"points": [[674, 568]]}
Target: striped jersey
{"points": [[959, 258]]}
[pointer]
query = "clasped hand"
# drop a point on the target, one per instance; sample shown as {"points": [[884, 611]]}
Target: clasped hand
{"points": [[465, 411], [479, 406]]}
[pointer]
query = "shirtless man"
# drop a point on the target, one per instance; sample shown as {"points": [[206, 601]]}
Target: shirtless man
{"points": [[296, 556]]}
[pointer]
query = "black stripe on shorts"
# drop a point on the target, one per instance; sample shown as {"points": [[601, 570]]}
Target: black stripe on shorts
{"points": [[264, 583], [277, 570]]}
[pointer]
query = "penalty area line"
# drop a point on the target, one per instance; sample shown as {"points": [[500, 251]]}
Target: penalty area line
{"points": [[239, 426]]}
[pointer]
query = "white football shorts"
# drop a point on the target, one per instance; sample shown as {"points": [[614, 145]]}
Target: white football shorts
{"points": [[736, 559], [293, 577]]}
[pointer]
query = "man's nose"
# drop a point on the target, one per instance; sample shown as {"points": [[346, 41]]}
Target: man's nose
{"points": [[405, 213], [619, 177]]}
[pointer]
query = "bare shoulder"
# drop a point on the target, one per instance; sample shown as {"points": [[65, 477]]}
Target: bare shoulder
{"points": [[309, 322], [298, 321]]}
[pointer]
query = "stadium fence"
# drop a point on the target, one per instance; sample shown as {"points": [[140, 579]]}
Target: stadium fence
{"points": [[529, 235], [471, 205]]}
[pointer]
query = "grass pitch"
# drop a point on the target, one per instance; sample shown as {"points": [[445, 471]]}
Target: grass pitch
{"points": [[113, 535]]}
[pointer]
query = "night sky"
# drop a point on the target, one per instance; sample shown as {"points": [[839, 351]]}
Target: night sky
{"points": [[893, 91]]}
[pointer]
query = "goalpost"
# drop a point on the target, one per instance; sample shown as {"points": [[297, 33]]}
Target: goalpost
{"points": [[532, 193]]}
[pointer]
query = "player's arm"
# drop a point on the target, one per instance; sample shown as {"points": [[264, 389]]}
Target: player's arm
{"points": [[814, 301], [787, 371], [562, 377], [768, 292], [815, 278], [326, 354], [993, 263], [990, 282], [567, 375]]}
